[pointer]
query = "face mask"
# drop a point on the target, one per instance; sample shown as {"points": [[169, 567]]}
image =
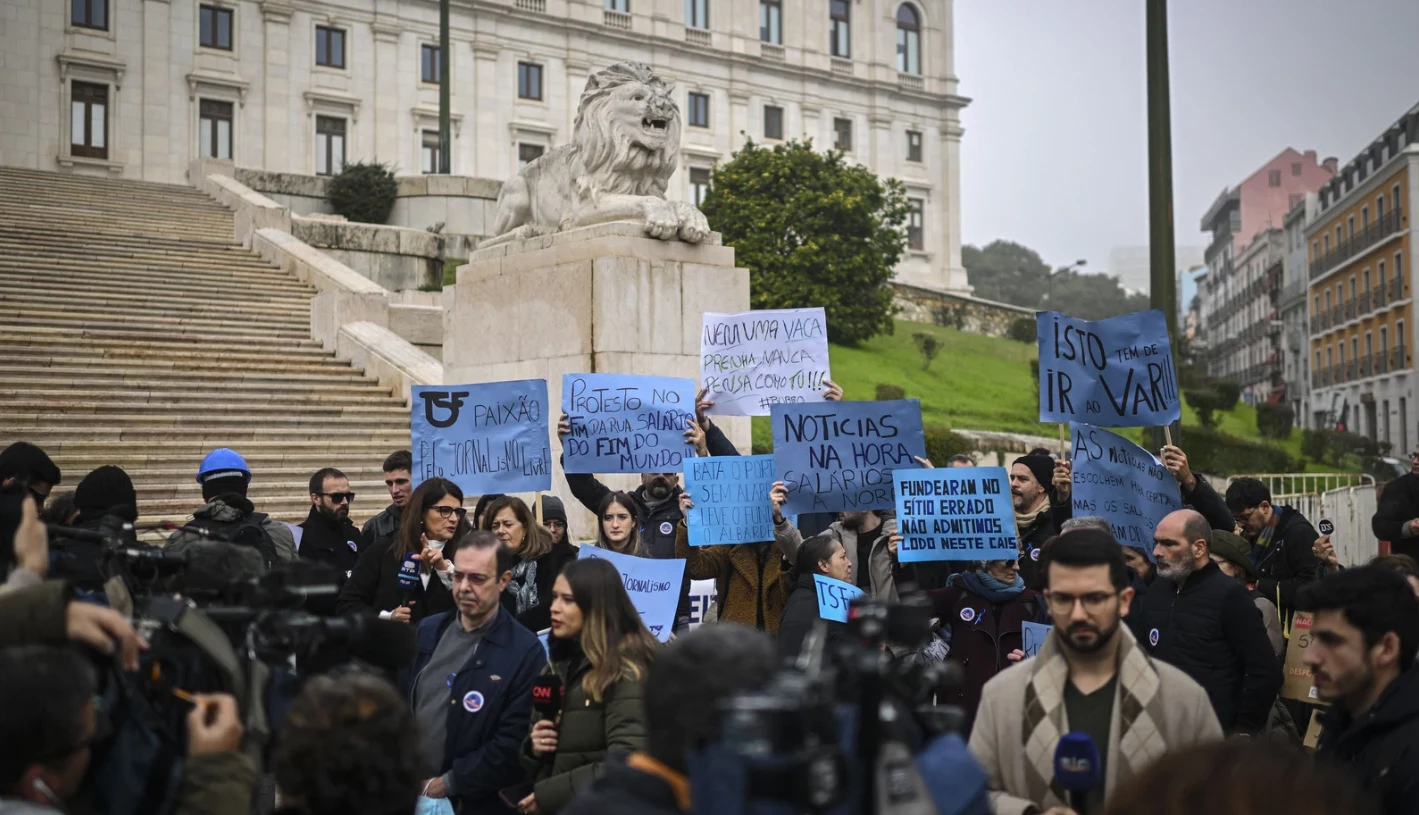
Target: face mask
{"points": [[433, 806]]}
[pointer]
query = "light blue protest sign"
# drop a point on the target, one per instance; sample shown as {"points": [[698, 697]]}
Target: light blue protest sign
{"points": [[1034, 636], [654, 586], [1110, 373], [731, 495], [486, 438], [627, 424], [840, 456], [960, 513], [1122, 483], [751, 360], [834, 597]]}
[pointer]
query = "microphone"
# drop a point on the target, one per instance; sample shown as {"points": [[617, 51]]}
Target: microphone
{"points": [[547, 696], [408, 579], [1076, 769]]}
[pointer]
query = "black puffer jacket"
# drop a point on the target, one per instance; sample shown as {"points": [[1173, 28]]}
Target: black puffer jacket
{"points": [[337, 544], [1211, 630], [1381, 747], [1288, 563]]}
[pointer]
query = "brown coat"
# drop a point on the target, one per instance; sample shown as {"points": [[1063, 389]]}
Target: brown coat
{"points": [[741, 585]]}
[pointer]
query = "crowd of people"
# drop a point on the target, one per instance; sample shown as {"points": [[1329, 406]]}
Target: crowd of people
{"points": [[1158, 654]]}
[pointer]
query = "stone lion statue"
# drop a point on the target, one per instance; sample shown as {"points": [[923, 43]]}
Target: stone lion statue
{"points": [[624, 148]]}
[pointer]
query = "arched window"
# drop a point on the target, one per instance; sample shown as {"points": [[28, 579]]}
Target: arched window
{"points": [[908, 40]]}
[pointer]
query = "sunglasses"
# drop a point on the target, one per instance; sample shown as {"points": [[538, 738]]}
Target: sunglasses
{"points": [[339, 497], [449, 512]]}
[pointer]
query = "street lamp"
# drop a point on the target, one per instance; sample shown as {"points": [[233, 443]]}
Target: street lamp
{"points": [[1049, 277]]}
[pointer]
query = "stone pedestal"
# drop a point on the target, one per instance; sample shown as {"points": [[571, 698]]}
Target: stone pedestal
{"points": [[602, 299]]}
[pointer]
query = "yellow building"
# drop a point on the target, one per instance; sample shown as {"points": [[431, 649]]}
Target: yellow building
{"points": [[1362, 334]]}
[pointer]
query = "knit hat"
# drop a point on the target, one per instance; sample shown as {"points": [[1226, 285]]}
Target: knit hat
{"points": [[1042, 467], [1234, 549], [105, 488], [553, 509]]}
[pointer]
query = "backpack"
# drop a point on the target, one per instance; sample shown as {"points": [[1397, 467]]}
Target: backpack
{"points": [[248, 531]]}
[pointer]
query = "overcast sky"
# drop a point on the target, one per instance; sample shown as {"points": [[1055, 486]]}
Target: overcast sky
{"points": [[1055, 150]]}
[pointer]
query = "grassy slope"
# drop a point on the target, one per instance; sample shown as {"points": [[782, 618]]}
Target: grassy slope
{"points": [[975, 383]]}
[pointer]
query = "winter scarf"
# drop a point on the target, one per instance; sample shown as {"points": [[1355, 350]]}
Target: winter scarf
{"points": [[978, 582], [1026, 520]]}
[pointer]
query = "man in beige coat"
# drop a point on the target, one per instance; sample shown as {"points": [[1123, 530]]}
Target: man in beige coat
{"points": [[1090, 676]]}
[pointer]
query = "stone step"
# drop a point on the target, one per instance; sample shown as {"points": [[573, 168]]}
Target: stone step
{"points": [[17, 317], [120, 415], [151, 219], [174, 281], [193, 449], [293, 303], [121, 244], [252, 315], [95, 343], [25, 385], [53, 183], [333, 370], [362, 462], [211, 435], [36, 255]]}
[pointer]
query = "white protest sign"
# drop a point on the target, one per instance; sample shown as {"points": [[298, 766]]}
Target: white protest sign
{"points": [[752, 360]]}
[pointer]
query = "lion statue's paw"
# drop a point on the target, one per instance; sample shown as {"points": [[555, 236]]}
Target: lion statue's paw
{"points": [[694, 228], [661, 218]]}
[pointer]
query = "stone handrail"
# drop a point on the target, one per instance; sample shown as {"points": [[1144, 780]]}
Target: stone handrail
{"points": [[397, 364]]}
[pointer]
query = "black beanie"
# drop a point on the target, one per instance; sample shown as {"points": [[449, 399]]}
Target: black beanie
{"points": [[1042, 467], [105, 488], [553, 509]]}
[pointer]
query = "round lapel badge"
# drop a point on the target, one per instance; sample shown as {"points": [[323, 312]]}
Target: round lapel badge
{"points": [[473, 701], [1153, 637], [666, 528], [354, 547], [1034, 554], [968, 614]]}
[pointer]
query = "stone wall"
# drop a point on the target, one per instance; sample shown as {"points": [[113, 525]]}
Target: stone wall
{"points": [[302, 194], [394, 257], [465, 206], [957, 310]]}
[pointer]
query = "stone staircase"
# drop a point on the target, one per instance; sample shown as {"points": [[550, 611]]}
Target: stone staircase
{"points": [[137, 333]]}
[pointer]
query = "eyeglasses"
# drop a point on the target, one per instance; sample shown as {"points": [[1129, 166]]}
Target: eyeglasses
{"points": [[1242, 517], [448, 512], [1414, 455], [1094, 601], [339, 497]]}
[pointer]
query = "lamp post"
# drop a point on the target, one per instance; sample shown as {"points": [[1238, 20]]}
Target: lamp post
{"points": [[1162, 289], [1049, 278], [445, 134]]}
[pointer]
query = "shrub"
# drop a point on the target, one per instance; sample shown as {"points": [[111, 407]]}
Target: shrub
{"points": [[886, 393], [1313, 444], [1023, 330], [1207, 403], [942, 443], [364, 192], [1274, 420], [1215, 453], [929, 347], [1227, 393], [949, 316]]}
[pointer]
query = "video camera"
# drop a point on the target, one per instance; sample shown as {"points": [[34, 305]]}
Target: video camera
{"points": [[847, 730]]}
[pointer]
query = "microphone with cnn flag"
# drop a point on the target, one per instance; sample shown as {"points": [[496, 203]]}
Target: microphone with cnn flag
{"points": [[547, 696], [1076, 769]]}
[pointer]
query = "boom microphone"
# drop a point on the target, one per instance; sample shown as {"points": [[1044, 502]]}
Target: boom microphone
{"points": [[1076, 769], [547, 696]]}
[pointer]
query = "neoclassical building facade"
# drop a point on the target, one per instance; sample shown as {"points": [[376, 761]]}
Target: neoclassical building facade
{"points": [[140, 88]]}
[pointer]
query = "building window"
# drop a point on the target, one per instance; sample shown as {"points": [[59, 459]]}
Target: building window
{"points": [[214, 126], [529, 81], [329, 47], [1380, 208], [1275, 178], [430, 67], [1384, 339], [916, 218], [623, 6], [1315, 252], [699, 185], [908, 39], [1294, 200], [842, 135], [216, 27], [89, 14], [771, 21], [1350, 225], [89, 120], [528, 153], [839, 29], [1295, 168], [1326, 238], [429, 151], [697, 13], [773, 122], [329, 145], [1395, 198], [699, 109], [914, 145]]}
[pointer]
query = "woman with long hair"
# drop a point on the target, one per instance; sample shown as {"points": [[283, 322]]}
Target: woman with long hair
{"points": [[618, 526], [819, 555], [433, 516], [601, 651], [529, 596]]}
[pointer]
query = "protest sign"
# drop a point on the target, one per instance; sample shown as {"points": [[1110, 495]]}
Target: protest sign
{"points": [[834, 597], [1122, 483], [486, 438], [731, 495], [654, 586], [702, 596], [961, 513], [627, 424], [1298, 682], [839, 456], [1111, 373], [1034, 636], [752, 360], [1312, 739]]}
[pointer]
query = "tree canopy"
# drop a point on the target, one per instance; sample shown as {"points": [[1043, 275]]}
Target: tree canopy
{"points": [[1011, 273]]}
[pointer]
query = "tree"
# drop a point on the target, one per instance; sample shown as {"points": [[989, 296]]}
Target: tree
{"points": [[364, 192], [929, 347], [1090, 296], [813, 230], [1006, 272]]}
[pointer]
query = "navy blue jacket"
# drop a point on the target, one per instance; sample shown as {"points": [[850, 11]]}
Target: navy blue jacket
{"points": [[489, 708]]}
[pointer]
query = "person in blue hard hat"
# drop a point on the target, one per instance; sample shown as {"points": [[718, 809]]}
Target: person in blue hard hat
{"points": [[229, 515]]}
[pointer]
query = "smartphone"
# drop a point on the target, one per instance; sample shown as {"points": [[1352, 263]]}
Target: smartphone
{"points": [[512, 796]]}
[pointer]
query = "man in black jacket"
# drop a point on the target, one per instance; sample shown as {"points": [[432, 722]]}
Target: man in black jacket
{"points": [[397, 479], [1282, 543], [1200, 620], [1364, 638], [1397, 518], [327, 536]]}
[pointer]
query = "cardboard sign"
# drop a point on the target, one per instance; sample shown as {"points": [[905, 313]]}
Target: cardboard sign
{"points": [[1034, 636], [1312, 739], [834, 597], [1111, 373], [487, 438], [731, 495], [840, 456], [959, 513], [752, 360], [1298, 682], [654, 586], [1122, 483], [627, 424]]}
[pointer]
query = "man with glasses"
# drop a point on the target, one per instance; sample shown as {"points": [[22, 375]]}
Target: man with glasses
{"points": [[1089, 673], [1397, 518], [397, 479], [1199, 619], [471, 685], [1283, 542], [327, 535]]}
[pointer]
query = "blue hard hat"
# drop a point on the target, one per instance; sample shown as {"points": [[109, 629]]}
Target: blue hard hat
{"points": [[223, 462]]}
